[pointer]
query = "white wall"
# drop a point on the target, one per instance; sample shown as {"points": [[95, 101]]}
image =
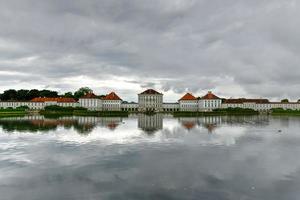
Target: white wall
{"points": [[188, 105]]}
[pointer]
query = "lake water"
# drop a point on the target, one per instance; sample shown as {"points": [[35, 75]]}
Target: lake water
{"points": [[150, 157]]}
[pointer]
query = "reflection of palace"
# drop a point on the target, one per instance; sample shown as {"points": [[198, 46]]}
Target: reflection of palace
{"points": [[188, 122], [40, 123], [150, 123], [108, 122], [208, 122], [212, 122]]}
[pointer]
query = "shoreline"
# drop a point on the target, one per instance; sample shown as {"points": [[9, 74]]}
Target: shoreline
{"points": [[13, 113]]}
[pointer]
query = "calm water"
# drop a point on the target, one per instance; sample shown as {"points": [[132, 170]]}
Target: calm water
{"points": [[150, 157]]}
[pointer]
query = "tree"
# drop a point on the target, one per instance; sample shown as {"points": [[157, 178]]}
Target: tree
{"points": [[48, 93], [284, 101], [9, 95], [68, 95], [82, 91], [33, 94], [22, 95], [299, 101]]}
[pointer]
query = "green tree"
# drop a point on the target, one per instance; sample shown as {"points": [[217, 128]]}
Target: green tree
{"points": [[284, 101], [9, 95], [82, 91], [32, 94], [22, 95], [48, 93], [68, 95]]}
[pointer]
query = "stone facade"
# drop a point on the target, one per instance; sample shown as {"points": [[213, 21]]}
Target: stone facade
{"points": [[150, 100]]}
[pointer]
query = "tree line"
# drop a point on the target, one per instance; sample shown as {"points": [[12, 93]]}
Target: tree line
{"points": [[26, 95]]}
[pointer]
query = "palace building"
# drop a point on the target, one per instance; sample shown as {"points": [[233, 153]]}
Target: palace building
{"points": [[209, 102], [188, 103], [152, 101], [91, 101], [112, 102]]}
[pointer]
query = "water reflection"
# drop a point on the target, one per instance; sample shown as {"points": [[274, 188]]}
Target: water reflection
{"points": [[148, 123], [150, 157], [83, 125]]}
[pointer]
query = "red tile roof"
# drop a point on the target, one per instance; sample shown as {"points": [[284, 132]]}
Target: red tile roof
{"points": [[112, 96], [210, 95], [150, 91], [58, 99], [89, 95], [187, 97]]}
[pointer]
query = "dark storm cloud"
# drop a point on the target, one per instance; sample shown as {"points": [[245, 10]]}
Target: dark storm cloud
{"points": [[172, 45]]}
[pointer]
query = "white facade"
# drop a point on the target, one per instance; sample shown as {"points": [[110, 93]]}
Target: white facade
{"points": [[91, 103], [170, 107], [209, 104], [112, 105], [188, 105], [36, 105], [133, 107], [110, 102], [150, 100], [263, 106]]}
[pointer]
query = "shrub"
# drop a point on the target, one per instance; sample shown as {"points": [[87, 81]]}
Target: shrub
{"points": [[22, 108], [237, 110], [63, 109]]}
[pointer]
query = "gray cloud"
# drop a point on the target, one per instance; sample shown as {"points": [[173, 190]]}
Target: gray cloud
{"points": [[175, 46]]}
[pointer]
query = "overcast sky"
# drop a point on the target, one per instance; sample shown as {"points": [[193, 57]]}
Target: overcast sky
{"points": [[236, 48]]}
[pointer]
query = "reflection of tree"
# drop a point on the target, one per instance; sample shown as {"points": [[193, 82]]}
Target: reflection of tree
{"points": [[83, 125], [150, 123], [210, 127], [84, 128], [25, 126], [111, 122], [44, 125]]}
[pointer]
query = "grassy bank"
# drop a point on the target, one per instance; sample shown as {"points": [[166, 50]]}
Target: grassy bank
{"points": [[101, 113], [279, 111], [78, 111], [217, 112], [13, 112]]}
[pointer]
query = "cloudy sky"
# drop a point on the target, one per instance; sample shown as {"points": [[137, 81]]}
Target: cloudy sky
{"points": [[235, 48]]}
